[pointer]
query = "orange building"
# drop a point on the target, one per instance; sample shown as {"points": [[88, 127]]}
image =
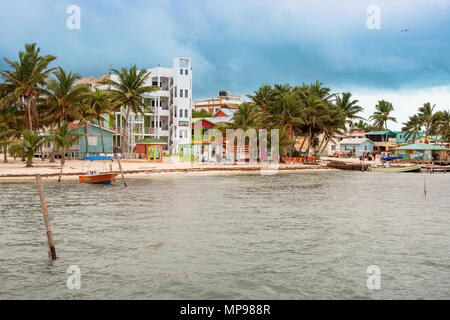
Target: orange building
{"points": [[224, 100]]}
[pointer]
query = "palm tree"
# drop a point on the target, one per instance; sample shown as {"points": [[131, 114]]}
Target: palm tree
{"points": [[129, 91], [348, 107], [6, 134], [429, 118], [382, 115], [100, 104], [30, 144], [64, 139], [361, 125], [263, 97], [62, 99], [443, 127], [245, 117], [413, 127], [27, 77], [85, 115]]}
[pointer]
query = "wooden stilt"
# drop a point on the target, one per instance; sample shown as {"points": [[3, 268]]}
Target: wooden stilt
{"points": [[60, 173], [51, 244], [121, 171], [424, 187]]}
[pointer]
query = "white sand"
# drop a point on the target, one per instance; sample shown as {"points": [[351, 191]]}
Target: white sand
{"points": [[15, 170]]}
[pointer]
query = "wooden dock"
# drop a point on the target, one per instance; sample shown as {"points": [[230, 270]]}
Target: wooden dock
{"points": [[435, 168], [348, 166]]}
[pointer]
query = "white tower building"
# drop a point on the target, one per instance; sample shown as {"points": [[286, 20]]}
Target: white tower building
{"points": [[168, 112]]}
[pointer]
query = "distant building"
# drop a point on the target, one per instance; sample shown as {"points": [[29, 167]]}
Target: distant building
{"points": [[168, 112], [224, 100], [422, 152], [94, 140], [357, 146]]}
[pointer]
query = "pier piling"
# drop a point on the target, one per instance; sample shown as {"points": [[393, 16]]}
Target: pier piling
{"points": [[50, 242], [121, 171]]}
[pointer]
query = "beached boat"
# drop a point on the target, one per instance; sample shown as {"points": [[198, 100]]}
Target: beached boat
{"points": [[415, 168], [92, 176], [101, 178]]}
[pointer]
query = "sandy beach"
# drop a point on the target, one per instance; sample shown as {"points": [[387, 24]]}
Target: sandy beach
{"points": [[15, 170]]}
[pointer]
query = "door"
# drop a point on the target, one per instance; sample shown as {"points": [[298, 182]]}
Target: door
{"points": [[151, 153]]}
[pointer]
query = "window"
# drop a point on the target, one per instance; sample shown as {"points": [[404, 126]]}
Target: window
{"points": [[333, 147], [153, 103], [181, 71], [186, 72], [185, 93], [181, 93], [92, 140], [186, 113], [181, 133], [181, 113]]}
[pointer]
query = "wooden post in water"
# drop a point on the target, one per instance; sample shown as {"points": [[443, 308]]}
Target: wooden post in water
{"points": [[121, 171], [60, 173], [424, 187], [51, 244]]}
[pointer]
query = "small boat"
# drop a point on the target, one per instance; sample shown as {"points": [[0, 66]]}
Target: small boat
{"points": [[92, 176], [99, 178], [415, 168]]}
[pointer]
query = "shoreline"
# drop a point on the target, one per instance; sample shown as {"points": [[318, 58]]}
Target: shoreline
{"points": [[15, 170]]}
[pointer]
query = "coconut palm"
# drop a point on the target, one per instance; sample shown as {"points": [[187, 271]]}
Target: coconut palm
{"points": [[6, 134], [382, 115], [27, 77], [429, 118], [348, 107], [129, 91], [63, 96], [413, 127], [443, 127], [361, 125], [245, 117], [64, 139], [31, 143], [85, 114], [101, 104]]}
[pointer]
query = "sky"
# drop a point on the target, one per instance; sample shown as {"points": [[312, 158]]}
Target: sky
{"points": [[239, 45]]}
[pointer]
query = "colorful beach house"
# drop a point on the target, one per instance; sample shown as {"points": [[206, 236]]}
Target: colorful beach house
{"points": [[357, 146], [150, 149], [94, 140], [203, 147], [421, 152]]}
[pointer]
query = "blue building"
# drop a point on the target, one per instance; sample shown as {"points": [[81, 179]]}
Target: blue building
{"points": [[94, 140], [357, 146]]}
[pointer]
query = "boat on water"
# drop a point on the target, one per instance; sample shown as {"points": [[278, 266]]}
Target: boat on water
{"points": [[414, 168], [92, 176]]}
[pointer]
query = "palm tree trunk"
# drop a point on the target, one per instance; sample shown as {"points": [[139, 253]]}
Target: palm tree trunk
{"points": [[124, 132], [63, 157], [52, 157], [292, 143], [101, 133], [386, 138], [30, 122], [86, 135], [29, 162], [309, 143], [5, 153]]}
